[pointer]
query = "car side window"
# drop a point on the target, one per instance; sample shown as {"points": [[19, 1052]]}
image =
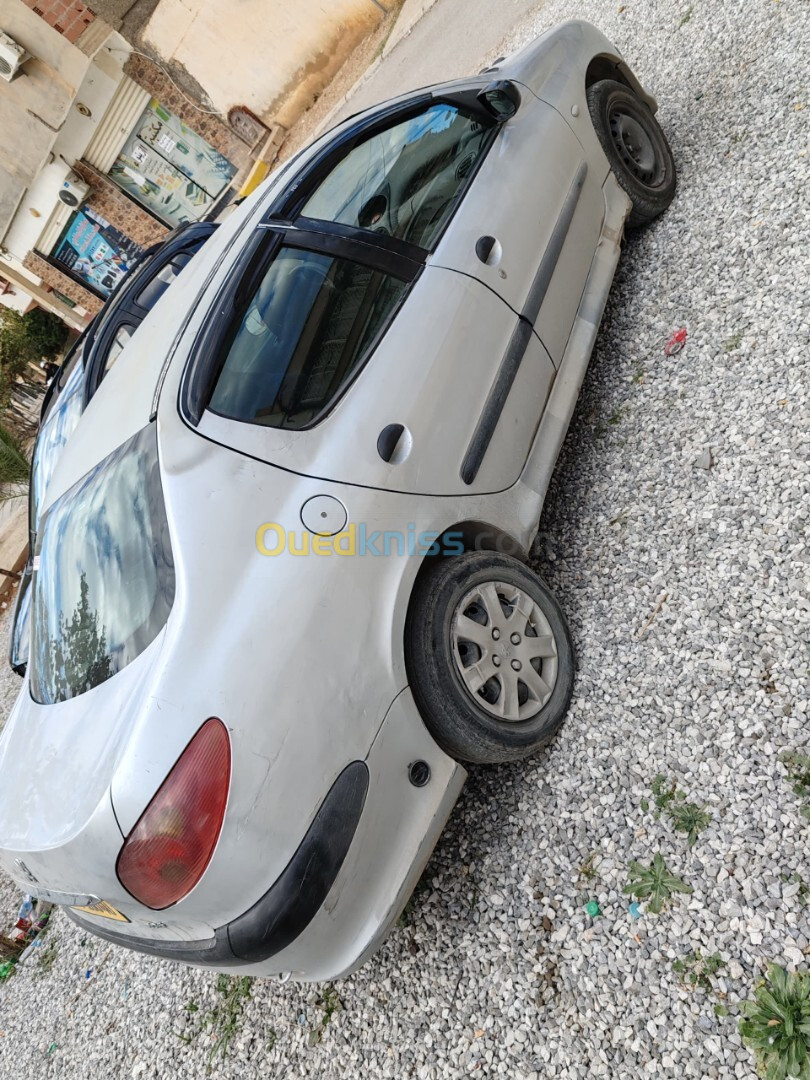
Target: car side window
{"points": [[157, 286], [122, 336], [405, 181], [299, 338]]}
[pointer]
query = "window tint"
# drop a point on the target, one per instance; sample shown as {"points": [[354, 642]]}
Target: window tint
{"points": [[103, 574], [154, 289], [405, 181], [298, 340]]}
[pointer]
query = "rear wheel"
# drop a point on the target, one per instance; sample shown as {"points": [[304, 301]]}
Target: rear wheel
{"points": [[489, 656], [636, 148]]}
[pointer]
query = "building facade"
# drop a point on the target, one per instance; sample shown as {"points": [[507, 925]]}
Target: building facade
{"points": [[131, 116], [102, 154]]}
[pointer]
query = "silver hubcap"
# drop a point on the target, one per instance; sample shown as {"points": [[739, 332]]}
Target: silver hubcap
{"points": [[504, 650]]}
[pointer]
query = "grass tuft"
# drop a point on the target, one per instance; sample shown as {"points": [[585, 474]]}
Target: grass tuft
{"points": [[686, 817], [798, 767], [696, 970], [654, 883], [776, 1025]]}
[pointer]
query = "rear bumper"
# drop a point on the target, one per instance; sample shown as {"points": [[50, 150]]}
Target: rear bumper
{"points": [[352, 875], [290, 904]]}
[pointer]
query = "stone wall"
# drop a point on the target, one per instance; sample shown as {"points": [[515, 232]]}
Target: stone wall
{"points": [[55, 279], [121, 211], [210, 126]]}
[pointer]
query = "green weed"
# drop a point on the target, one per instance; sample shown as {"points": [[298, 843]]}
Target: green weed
{"points": [[224, 1021], [776, 1025], [588, 868], [798, 767], [654, 883], [329, 1003], [686, 817], [733, 342], [696, 970]]}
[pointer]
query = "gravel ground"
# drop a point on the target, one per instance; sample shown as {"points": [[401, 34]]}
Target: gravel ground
{"points": [[499, 971]]}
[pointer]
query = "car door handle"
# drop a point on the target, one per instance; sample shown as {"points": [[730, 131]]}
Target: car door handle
{"points": [[394, 443], [484, 246]]}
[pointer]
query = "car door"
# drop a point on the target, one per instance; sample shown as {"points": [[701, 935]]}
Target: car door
{"points": [[430, 411], [531, 223]]}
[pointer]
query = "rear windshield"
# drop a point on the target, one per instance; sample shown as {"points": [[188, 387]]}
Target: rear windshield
{"points": [[103, 574]]}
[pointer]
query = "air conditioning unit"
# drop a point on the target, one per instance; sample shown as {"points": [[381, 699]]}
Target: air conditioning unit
{"points": [[73, 191], [12, 57]]}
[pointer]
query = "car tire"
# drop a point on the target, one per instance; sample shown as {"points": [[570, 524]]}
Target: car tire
{"points": [[636, 147], [511, 715]]}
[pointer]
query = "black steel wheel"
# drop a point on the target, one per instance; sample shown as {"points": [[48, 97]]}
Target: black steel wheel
{"points": [[636, 148]]}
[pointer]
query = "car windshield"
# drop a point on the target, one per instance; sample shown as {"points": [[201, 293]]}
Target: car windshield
{"points": [[103, 574]]}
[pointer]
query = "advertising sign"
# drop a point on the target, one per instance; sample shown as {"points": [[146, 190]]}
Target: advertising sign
{"points": [[96, 251], [169, 168]]}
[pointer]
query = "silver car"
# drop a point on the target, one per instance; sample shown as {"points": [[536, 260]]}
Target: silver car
{"points": [[280, 595]]}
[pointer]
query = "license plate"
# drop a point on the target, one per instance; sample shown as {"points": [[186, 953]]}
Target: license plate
{"points": [[105, 910]]}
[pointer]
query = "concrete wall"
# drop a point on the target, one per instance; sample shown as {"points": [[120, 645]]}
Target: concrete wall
{"points": [[94, 94], [34, 106], [15, 298], [272, 56]]}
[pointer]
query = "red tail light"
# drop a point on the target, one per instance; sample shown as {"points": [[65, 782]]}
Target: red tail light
{"points": [[166, 853]]}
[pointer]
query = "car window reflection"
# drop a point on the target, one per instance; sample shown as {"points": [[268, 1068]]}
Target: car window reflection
{"points": [[55, 432], [404, 182], [104, 575], [304, 333], [18, 648]]}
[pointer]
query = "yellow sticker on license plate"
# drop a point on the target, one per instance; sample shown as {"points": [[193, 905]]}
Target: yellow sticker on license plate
{"points": [[107, 911]]}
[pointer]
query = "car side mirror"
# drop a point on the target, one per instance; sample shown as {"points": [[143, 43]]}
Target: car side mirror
{"points": [[501, 99]]}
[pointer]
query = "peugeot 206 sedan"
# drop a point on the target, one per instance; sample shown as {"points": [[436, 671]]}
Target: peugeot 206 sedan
{"points": [[279, 594]]}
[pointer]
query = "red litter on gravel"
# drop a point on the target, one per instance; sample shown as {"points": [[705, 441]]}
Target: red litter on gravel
{"points": [[676, 342]]}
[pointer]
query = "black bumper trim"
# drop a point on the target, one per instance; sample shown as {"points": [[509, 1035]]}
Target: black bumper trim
{"points": [[292, 902]]}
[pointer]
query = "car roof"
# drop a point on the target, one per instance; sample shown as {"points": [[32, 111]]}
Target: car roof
{"points": [[125, 399]]}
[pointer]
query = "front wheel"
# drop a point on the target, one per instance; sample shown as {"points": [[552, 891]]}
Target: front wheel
{"points": [[489, 655], [636, 148]]}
